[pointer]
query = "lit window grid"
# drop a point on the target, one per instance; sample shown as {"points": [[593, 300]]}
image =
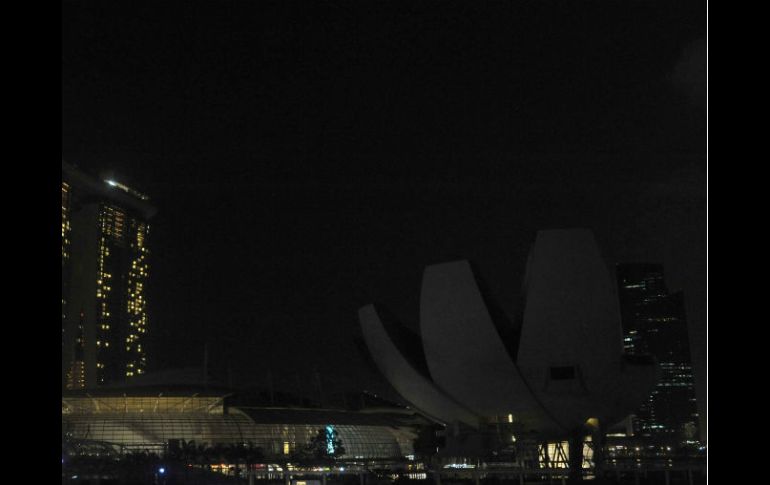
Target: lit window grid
{"points": [[113, 223], [673, 396], [136, 304], [76, 375], [65, 220], [103, 293]]}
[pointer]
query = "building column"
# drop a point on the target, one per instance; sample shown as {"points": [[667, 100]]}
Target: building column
{"points": [[576, 456]]}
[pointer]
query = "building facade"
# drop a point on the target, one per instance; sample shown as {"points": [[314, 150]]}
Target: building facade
{"points": [[654, 322], [137, 419], [105, 268]]}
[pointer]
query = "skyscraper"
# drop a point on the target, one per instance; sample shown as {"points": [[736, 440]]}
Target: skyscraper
{"points": [[105, 227], [654, 322]]}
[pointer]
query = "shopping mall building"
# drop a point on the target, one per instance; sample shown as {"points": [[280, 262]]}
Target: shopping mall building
{"points": [[152, 419]]}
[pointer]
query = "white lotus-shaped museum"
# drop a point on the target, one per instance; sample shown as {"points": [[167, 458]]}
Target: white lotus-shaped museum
{"points": [[561, 368]]}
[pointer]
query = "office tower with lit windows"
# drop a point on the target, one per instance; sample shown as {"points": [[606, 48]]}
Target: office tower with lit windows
{"points": [[105, 227], [654, 322]]}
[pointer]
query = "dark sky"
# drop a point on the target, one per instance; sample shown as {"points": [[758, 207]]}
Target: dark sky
{"points": [[309, 158]]}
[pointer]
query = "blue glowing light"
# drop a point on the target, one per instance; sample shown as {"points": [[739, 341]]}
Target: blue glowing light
{"points": [[161, 470], [329, 440]]}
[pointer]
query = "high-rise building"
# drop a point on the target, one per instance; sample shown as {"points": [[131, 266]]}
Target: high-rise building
{"points": [[654, 322], [105, 227]]}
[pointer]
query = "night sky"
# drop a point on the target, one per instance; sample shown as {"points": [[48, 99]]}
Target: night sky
{"points": [[309, 158]]}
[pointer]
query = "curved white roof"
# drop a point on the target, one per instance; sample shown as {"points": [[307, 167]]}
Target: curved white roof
{"points": [[457, 330], [568, 366], [410, 383]]}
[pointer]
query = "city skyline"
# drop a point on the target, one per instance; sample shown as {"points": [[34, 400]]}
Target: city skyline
{"points": [[307, 159], [655, 323]]}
